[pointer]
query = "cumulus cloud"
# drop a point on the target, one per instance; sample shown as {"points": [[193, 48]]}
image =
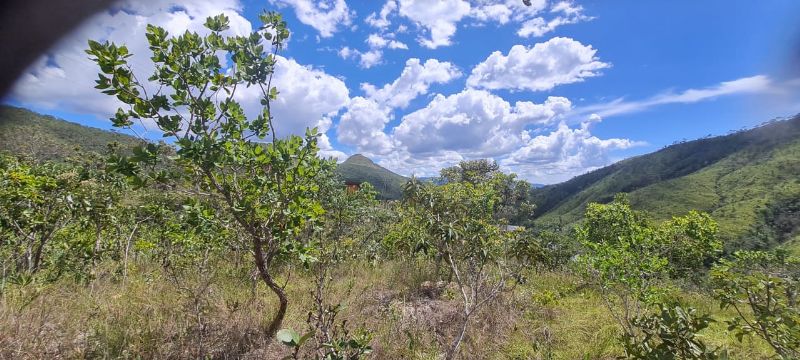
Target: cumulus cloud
{"points": [[362, 125], [373, 56], [568, 13], [308, 98], [564, 152], [542, 67], [475, 123], [415, 80], [381, 20], [567, 150], [64, 78], [377, 41], [437, 17], [366, 59], [323, 15], [746, 85]]}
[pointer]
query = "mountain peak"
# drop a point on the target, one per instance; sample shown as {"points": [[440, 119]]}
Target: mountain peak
{"points": [[359, 159]]}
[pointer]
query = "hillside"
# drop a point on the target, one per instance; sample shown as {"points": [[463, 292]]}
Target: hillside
{"points": [[358, 168], [734, 177], [47, 138]]}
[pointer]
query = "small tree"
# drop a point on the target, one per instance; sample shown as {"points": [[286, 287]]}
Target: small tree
{"points": [[268, 188], [454, 222], [670, 334], [342, 234], [766, 283], [513, 205], [36, 202], [630, 259]]}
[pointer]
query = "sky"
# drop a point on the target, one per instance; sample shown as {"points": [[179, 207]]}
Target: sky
{"points": [[549, 91]]}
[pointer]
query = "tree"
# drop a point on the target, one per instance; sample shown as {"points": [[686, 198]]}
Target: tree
{"points": [[513, 206], [766, 283], [670, 334], [267, 185], [454, 222], [36, 202], [629, 258], [471, 171]]}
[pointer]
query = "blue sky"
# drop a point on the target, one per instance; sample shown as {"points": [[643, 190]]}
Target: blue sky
{"points": [[549, 91]]}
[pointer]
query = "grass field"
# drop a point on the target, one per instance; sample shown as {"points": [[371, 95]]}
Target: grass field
{"points": [[153, 313]]}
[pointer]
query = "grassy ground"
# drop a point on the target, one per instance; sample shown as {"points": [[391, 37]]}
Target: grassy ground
{"points": [[150, 314]]}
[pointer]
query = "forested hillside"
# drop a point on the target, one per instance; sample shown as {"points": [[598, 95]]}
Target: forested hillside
{"points": [[358, 168], [24, 132], [44, 137], [737, 178]]}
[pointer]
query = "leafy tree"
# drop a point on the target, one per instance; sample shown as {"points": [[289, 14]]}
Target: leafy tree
{"points": [[269, 187], [629, 258], [471, 171], [513, 206], [766, 284], [36, 202], [97, 198], [454, 222], [670, 334]]}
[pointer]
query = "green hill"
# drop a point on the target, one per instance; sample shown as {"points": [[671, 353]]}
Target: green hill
{"points": [[358, 168], [44, 137], [24, 132], [741, 179]]}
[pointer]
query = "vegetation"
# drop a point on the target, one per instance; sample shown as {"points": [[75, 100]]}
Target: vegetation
{"points": [[234, 242], [359, 169], [42, 137], [733, 178]]}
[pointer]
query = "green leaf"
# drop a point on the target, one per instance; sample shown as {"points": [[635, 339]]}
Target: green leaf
{"points": [[288, 337]]}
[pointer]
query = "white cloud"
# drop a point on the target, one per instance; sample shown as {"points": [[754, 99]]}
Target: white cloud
{"points": [[437, 17], [64, 78], [362, 125], [539, 26], [474, 123], [505, 11], [747, 85], [373, 56], [382, 21], [438, 20], [415, 80], [307, 98], [323, 15], [366, 59], [376, 41], [407, 164], [542, 67], [564, 153]]}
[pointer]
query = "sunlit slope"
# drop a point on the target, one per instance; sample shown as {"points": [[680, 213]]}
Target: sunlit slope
{"points": [[732, 177], [359, 168], [24, 132]]}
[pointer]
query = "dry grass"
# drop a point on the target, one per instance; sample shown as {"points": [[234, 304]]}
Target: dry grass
{"points": [[221, 315]]}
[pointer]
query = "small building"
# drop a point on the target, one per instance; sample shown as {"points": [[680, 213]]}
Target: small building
{"points": [[352, 186]]}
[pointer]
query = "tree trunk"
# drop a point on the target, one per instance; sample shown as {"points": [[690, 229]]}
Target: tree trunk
{"points": [[453, 351], [37, 255], [97, 242], [261, 265]]}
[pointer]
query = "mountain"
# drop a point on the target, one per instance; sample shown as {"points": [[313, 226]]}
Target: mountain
{"points": [[47, 138], [739, 179], [358, 168]]}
